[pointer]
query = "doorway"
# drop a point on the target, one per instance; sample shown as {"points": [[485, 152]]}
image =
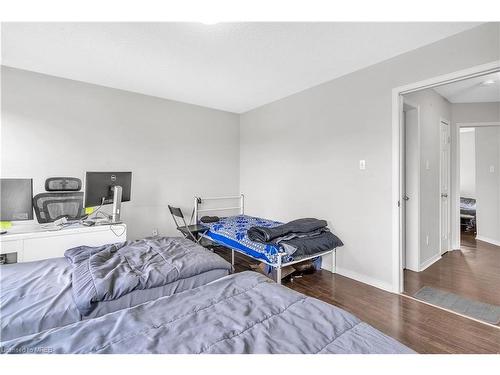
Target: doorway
{"points": [[436, 266], [476, 176]]}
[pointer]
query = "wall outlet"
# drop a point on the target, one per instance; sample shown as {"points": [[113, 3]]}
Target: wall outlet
{"points": [[362, 165], [155, 232], [492, 169]]}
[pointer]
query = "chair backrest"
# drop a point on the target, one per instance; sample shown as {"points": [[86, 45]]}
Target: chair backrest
{"points": [[176, 212], [52, 206]]}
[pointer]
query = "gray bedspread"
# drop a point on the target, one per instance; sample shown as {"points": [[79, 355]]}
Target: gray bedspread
{"points": [[241, 313], [36, 296], [111, 271]]}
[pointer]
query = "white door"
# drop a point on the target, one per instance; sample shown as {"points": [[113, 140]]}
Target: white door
{"points": [[411, 199], [444, 186]]}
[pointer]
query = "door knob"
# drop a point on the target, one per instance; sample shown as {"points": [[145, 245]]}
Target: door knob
{"points": [[443, 195], [406, 197]]}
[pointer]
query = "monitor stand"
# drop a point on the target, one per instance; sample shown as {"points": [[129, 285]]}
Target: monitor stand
{"points": [[114, 218], [117, 204]]}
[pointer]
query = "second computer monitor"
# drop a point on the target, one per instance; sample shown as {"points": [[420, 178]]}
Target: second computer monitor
{"points": [[99, 187], [16, 201]]}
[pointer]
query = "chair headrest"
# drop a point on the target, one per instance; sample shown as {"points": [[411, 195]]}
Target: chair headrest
{"points": [[63, 184]]}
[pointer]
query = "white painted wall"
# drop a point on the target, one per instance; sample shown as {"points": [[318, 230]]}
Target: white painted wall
{"points": [[433, 108], [488, 184], [58, 127], [467, 163], [300, 155], [475, 112]]}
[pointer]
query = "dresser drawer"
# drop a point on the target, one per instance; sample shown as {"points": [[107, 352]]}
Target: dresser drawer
{"points": [[15, 246]]}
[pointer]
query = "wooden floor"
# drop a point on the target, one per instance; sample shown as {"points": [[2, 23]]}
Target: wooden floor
{"points": [[472, 272], [423, 328]]}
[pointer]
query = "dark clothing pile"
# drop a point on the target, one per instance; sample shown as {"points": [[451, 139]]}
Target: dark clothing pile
{"points": [[209, 219], [299, 237]]}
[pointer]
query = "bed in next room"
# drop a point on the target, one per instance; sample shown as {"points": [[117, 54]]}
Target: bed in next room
{"points": [[93, 281], [241, 313]]}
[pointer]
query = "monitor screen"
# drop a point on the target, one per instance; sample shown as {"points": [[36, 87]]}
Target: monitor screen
{"points": [[16, 199], [98, 187]]}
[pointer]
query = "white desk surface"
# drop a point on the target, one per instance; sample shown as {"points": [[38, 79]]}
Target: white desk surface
{"points": [[24, 231]]}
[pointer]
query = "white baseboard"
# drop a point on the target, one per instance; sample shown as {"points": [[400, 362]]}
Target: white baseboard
{"points": [[489, 240], [414, 269], [429, 262], [365, 279]]}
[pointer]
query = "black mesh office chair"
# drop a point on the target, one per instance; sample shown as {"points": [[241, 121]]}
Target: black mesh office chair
{"points": [[190, 232], [63, 199]]}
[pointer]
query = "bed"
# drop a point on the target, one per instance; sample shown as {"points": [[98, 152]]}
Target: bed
{"points": [[36, 296], [240, 313], [231, 232], [468, 214]]}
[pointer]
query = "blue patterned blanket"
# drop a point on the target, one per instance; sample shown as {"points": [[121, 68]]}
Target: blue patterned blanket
{"points": [[232, 232]]}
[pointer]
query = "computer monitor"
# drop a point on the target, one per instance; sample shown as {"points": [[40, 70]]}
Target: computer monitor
{"points": [[108, 188], [16, 199]]}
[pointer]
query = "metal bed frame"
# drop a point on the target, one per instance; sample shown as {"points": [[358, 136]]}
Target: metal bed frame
{"points": [[198, 201]]}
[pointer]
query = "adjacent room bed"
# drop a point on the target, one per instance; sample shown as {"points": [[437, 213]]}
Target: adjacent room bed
{"points": [[468, 214], [93, 281], [240, 313], [239, 234]]}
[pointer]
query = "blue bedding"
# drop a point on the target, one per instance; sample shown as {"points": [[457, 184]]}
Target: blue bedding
{"points": [[232, 232]]}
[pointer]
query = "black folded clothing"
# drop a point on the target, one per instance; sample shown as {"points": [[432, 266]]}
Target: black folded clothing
{"points": [[310, 245], [209, 219], [299, 237], [263, 234]]}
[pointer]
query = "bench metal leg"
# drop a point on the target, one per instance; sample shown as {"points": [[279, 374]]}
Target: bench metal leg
{"points": [[278, 270], [278, 274], [334, 260]]}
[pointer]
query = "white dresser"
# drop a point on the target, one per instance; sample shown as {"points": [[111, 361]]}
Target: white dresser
{"points": [[32, 242]]}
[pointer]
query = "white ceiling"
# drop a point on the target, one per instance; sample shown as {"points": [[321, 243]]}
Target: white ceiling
{"points": [[472, 90], [229, 66]]}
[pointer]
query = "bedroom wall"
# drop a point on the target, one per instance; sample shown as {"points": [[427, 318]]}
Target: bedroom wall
{"points": [[475, 112], [58, 127], [300, 155], [488, 184]]}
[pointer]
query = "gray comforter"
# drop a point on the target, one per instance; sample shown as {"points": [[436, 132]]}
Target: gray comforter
{"points": [[111, 271], [36, 296], [241, 313]]}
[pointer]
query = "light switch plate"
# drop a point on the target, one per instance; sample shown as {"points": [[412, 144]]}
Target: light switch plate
{"points": [[362, 165]]}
